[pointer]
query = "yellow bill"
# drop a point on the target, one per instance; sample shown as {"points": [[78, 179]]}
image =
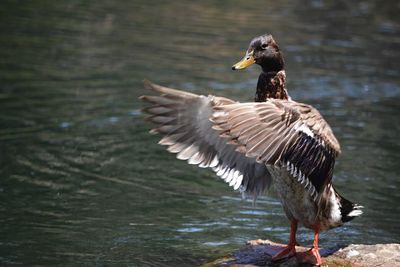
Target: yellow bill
{"points": [[245, 62]]}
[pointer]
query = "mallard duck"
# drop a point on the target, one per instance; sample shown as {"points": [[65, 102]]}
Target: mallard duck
{"points": [[250, 145]]}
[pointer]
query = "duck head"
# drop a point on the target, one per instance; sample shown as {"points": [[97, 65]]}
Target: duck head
{"points": [[264, 51]]}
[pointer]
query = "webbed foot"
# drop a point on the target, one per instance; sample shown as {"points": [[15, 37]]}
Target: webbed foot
{"points": [[310, 256], [286, 252]]}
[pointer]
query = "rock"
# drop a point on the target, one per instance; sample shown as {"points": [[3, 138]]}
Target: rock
{"points": [[371, 255], [259, 253]]}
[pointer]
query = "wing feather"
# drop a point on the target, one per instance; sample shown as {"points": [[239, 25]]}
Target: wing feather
{"points": [[239, 140], [184, 121], [283, 132]]}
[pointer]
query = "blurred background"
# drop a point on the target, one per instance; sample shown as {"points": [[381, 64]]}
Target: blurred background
{"points": [[83, 183]]}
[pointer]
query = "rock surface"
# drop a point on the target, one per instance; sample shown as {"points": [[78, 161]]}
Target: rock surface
{"points": [[259, 253]]}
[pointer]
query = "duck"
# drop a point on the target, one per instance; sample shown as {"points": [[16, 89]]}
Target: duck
{"points": [[253, 145]]}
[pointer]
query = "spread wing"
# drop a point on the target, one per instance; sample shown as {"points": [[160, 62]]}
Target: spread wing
{"points": [[184, 121], [285, 133]]}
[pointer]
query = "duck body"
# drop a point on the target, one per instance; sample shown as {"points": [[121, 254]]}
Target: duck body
{"points": [[251, 145], [299, 205], [297, 202]]}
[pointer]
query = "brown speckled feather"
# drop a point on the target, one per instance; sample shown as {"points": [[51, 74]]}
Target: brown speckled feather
{"points": [[239, 140], [281, 132], [184, 121]]}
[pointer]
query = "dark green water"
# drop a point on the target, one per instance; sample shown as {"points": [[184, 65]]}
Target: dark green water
{"points": [[83, 184]]}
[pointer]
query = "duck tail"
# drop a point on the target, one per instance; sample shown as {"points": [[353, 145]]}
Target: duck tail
{"points": [[349, 210]]}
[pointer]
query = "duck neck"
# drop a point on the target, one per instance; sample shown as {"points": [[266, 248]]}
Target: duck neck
{"points": [[271, 85]]}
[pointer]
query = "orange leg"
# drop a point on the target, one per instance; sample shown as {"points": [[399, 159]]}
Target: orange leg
{"points": [[312, 256], [290, 249]]}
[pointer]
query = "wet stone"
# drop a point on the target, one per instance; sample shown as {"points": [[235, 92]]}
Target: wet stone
{"points": [[259, 253]]}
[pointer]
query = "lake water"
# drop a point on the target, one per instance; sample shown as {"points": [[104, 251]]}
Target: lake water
{"points": [[82, 183]]}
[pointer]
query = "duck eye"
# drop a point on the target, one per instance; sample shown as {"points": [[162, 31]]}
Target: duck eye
{"points": [[264, 46]]}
